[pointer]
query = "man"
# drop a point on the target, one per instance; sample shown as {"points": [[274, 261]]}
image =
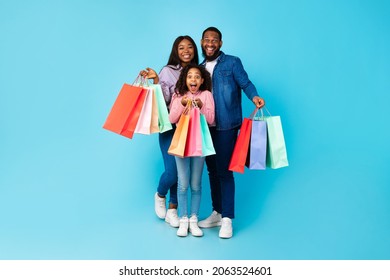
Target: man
{"points": [[228, 79]]}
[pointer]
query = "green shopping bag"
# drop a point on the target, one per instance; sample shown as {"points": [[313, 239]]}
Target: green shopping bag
{"points": [[163, 118], [207, 142], [276, 147]]}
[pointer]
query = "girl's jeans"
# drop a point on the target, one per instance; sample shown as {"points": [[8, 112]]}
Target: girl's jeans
{"points": [[189, 170]]}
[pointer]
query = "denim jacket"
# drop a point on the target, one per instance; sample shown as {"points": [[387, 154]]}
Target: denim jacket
{"points": [[229, 78]]}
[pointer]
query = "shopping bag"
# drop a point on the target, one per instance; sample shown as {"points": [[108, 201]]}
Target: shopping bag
{"points": [[124, 114], [154, 123], [163, 116], [193, 146], [180, 136], [145, 118], [276, 148], [257, 153], [238, 159], [207, 142]]}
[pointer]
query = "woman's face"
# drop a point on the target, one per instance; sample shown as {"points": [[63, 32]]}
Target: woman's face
{"points": [[194, 80], [186, 52]]}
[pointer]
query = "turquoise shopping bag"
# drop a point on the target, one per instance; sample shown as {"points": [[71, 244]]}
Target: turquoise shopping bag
{"points": [[276, 147], [207, 142]]}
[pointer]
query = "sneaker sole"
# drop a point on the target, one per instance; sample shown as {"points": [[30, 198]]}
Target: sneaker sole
{"points": [[169, 222], [225, 236], [217, 224]]}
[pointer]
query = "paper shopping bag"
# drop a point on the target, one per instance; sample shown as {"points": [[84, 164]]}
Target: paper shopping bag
{"points": [[179, 137], [240, 152], [276, 149], [193, 146], [256, 158], [163, 116], [145, 117], [131, 123], [154, 123], [207, 142], [124, 114]]}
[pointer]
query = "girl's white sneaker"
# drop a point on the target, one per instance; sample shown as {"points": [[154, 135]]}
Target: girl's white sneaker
{"points": [[183, 227], [194, 228]]}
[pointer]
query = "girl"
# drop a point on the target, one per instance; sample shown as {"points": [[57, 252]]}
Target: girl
{"points": [[194, 84], [184, 51]]}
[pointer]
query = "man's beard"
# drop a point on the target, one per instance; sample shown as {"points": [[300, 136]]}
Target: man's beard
{"points": [[211, 58]]}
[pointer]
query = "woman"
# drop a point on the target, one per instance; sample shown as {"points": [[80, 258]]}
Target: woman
{"points": [[184, 51]]}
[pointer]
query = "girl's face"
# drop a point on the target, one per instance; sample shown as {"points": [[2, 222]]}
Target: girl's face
{"points": [[186, 52], [194, 80]]}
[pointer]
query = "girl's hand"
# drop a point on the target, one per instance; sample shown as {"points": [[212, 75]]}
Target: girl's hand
{"points": [[199, 103], [184, 101]]}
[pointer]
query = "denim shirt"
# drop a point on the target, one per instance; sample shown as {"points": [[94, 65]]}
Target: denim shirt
{"points": [[229, 78]]}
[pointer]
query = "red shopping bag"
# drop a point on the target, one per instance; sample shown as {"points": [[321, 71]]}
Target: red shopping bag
{"points": [[124, 114], [193, 146], [240, 152]]}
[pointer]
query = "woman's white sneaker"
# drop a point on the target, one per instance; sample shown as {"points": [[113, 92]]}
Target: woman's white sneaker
{"points": [[172, 218], [160, 206], [183, 228], [214, 220], [194, 229], [226, 230]]}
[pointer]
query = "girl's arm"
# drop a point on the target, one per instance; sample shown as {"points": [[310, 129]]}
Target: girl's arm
{"points": [[176, 108]]}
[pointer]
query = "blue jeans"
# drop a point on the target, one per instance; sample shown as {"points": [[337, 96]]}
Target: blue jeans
{"points": [[168, 179], [221, 179], [189, 170]]}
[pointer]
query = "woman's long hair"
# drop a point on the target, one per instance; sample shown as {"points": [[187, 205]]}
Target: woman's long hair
{"points": [[174, 58]]}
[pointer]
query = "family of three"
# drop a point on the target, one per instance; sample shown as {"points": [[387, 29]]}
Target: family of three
{"points": [[215, 87]]}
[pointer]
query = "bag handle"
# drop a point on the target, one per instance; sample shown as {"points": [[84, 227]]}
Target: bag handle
{"points": [[187, 108], [256, 111], [141, 81]]}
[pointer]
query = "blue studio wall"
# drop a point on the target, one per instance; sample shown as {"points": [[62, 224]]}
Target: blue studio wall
{"points": [[72, 190]]}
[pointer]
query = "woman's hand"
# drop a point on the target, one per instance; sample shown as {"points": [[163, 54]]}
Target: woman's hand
{"points": [[149, 73]]}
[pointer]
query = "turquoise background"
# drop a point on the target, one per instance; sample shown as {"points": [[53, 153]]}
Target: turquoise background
{"points": [[72, 190]]}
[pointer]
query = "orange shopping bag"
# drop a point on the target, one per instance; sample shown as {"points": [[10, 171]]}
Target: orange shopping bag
{"points": [[179, 138]]}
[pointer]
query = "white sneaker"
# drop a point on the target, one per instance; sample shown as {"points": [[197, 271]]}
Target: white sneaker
{"points": [[183, 228], [172, 218], [194, 229], [214, 220], [226, 230], [160, 206]]}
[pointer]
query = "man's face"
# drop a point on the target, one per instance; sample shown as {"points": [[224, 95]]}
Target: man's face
{"points": [[211, 44]]}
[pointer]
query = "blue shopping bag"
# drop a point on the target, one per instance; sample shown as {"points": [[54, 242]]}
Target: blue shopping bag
{"points": [[257, 152]]}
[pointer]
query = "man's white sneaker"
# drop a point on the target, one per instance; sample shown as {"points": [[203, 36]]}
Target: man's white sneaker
{"points": [[214, 220], [160, 206], [183, 228], [226, 230], [172, 218], [194, 229]]}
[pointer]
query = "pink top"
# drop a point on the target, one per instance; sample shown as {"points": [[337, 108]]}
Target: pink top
{"points": [[208, 108]]}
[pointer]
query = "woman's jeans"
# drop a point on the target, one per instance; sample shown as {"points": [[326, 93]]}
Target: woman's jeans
{"points": [[189, 170], [168, 179]]}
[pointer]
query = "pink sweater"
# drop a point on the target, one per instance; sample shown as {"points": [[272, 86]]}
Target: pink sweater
{"points": [[208, 108]]}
